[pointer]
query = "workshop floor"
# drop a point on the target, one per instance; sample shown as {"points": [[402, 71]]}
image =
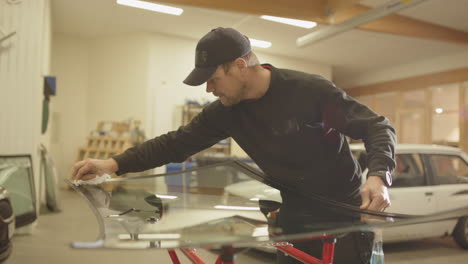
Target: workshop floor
{"points": [[50, 240]]}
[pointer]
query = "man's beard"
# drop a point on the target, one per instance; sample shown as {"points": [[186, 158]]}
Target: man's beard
{"points": [[233, 100]]}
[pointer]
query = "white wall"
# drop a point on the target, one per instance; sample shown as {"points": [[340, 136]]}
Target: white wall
{"points": [[430, 65], [102, 79], [172, 59], [70, 64], [118, 79], [24, 60], [23, 63]]}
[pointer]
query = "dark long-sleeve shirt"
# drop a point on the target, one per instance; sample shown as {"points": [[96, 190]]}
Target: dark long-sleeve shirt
{"points": [[295, 134]]}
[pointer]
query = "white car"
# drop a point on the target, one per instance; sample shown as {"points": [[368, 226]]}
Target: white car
{"points": [[427, 179]]}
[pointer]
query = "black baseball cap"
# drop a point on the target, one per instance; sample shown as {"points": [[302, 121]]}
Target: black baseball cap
{"points": [[219, 46]]}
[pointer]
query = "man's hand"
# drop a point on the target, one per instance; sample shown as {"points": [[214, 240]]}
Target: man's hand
{"points": [[90, 168], [374, 195]]}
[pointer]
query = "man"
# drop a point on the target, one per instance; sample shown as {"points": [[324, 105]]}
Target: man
{"points": [[292, 124]]}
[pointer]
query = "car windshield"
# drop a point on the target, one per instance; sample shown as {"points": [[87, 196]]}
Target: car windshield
{"points": [[232, 202], [16, 176]]}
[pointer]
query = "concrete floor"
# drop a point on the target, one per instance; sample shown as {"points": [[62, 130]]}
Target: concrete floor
{"points": [[50, 240]]}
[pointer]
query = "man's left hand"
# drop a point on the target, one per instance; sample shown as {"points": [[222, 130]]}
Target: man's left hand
{"points": [[374, 195]]}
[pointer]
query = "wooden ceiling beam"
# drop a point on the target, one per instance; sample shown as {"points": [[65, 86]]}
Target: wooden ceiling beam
{"points": [[318, 10], [405, 26], [337, 6], [400, 25]]}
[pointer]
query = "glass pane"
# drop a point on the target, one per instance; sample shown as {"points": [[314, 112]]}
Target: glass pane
{"points": [[412, 127], [16, 176], [225, 204], [49, 174], [450, 169], [409, 171], [445, 129], [413, 99]]}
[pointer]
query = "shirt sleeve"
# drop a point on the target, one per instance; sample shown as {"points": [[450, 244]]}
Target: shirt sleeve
{"points": [[351, 118], [205, 130]]}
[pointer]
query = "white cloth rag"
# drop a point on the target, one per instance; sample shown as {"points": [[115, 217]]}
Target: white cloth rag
{"points": [[95, 181]]}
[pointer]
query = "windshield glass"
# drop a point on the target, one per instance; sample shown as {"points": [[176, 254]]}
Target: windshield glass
{"points": [[225, 204]]}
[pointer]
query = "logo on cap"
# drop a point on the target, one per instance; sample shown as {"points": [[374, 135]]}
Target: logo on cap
{"points": [[202, 57]]}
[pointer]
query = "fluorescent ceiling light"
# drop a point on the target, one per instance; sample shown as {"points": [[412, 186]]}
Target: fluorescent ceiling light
{"points": [[246, 208], [292, 22], [166, 196], [151, 6], [439, 110], [259, 43], [150, 236]]}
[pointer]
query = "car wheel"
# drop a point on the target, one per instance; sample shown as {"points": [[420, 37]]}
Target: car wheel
{"points": [[460, 233]]}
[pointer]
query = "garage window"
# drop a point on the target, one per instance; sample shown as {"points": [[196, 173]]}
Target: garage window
{"points": [[409, 171], [449, 169]]}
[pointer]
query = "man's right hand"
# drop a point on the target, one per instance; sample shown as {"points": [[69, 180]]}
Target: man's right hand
{"points": [[90, 168]]}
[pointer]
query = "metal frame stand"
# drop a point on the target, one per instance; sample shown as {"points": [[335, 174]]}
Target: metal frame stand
{"points": [[227, 254]]}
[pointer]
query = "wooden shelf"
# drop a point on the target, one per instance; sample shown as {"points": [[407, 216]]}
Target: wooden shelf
{"points": [[102, 147]]}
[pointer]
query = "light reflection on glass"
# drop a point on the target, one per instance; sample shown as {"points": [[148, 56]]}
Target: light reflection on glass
{"points": [[246, 208]]}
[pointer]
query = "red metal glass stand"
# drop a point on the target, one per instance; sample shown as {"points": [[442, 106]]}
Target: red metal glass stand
{"points": [[227, 254], [328, 252]]}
